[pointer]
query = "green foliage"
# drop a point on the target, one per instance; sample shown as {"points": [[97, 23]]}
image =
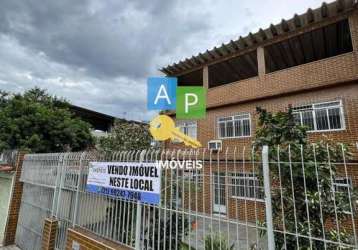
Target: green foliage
{"points": [[295, 164], [212, 242], [38, 122], [218, 242], [126, 136]]}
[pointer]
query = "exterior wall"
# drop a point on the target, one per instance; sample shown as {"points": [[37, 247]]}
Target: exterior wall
{"points": [[348, 93], [201, 198], [6, 180], [86, 240]]}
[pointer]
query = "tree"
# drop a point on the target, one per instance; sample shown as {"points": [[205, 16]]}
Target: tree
{"points": [[38, 122], [311, 180], [126, 136]]}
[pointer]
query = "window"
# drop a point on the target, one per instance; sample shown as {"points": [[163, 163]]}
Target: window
{"points": [[188, 127], [194, 176], [321, 116], [246, 185], [234, 126], [342, 185]]}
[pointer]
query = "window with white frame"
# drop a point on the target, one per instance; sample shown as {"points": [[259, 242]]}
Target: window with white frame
{"points": [[326, 116], [342, 185], [188, 127], [246, 185], [234, 126]]}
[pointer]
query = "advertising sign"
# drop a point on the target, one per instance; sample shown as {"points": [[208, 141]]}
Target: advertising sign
{"points": [[126, 180]]}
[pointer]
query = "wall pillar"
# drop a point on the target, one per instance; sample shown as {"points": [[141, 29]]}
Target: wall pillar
{"points": [[261, 62], [353, 26], [206, 77], [49, 234], [15, 202]]}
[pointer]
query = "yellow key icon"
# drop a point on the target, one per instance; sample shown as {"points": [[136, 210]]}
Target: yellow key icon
{"points": [[162, 128]]}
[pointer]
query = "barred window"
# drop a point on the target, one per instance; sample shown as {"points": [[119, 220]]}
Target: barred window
{"points": [[342, 185], [188, 127], [234, 126], [246, 185], [320, 116]]}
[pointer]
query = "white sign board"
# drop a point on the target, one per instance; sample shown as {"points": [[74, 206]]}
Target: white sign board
{"points": [[128, 180]]}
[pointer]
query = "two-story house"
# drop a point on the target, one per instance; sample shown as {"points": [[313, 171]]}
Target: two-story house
{"points": [[309, 62]]}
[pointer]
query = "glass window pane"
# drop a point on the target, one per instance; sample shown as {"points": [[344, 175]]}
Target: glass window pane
{"points": [[297, 117], [222, 129], [321, 119], [229, 129], [246, 126], [335, 118], [238, 128], [192, 132], [307, 119]]}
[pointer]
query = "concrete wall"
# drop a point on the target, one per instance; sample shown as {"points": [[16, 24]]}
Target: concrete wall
{"points": [[5, 192]]}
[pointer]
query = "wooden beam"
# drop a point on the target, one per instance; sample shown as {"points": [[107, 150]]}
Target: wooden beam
{"points": [[310, 16], [284, 26], [252, 38], [273, 30], [188, 62], [262, 34], [202, 58], [324, 10], [165, 71], [226, 49], [297, 21], [243, 42], [195, 60], [234, 45]]}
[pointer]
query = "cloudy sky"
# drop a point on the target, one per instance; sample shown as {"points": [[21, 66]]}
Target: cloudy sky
{"points": [[98, 54]]}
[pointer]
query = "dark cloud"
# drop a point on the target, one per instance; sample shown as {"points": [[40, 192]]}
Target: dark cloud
{"points": [[107, 38], [97, 54]]}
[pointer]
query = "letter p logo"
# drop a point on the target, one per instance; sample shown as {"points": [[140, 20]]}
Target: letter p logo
{"points": [[191, 102]]}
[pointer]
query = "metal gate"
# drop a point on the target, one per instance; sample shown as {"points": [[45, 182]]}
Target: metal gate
{"points": [[37, 201]]}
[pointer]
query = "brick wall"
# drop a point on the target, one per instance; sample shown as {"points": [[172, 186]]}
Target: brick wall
{"points": [[307, 76], [87, 240], [348, 93], [15, 201], [330, 79], [49, 234]]}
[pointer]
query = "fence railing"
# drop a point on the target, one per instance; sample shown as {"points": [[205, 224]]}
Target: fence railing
{"points": [[286, 197], [8, 157]]}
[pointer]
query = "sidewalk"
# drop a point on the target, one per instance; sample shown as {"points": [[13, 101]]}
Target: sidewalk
{"points": [[10, 248]]}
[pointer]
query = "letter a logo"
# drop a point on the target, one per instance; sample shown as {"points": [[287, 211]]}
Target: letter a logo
{"points": [[161, 93]]}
